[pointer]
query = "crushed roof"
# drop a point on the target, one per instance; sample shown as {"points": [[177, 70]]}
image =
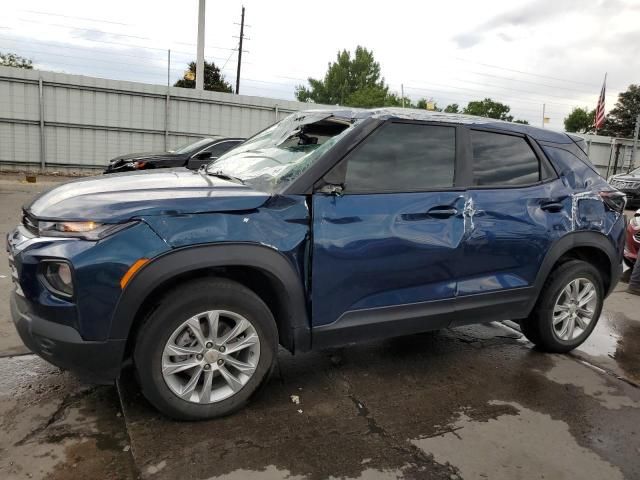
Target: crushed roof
{"points": [[387, 113]]}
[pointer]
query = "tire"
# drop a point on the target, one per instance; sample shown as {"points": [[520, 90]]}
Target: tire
{"points": [[539, 326], [165, 332]]}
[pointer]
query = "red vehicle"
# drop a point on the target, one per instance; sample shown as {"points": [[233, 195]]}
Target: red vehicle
{"points": [[632, 243]]}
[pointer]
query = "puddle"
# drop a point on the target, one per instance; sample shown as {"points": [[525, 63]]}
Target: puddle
{"points": [[271, 472], [615, 345], [603, 341], [525, 445], [592, 383]]}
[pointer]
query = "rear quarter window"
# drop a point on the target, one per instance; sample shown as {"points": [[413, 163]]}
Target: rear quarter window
{"points": [[503, 160], [579, 174]]}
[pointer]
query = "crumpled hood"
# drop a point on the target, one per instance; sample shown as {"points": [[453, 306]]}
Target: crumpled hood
{"points": [[119, 197]]}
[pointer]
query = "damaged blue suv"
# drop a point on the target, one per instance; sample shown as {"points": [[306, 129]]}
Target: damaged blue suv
{"points": [[327, 228]]}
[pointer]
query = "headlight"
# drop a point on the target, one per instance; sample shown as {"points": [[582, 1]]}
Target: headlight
{"points": [[86, 230], [635, 221], [137, 165], [57, 277]]}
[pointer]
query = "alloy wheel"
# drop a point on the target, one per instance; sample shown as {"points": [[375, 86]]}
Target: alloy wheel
{"points": [[574, 309], [211, 356]]}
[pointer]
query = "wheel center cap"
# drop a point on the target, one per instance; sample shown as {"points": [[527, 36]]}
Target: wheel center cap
{"points": [[211, 356]]}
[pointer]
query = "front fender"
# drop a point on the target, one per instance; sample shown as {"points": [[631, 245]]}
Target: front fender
{"points": [[167, 266]]}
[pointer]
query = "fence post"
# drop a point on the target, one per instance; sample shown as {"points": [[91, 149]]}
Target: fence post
{"points": [[277, 113], [166, 121], [41, 113]]}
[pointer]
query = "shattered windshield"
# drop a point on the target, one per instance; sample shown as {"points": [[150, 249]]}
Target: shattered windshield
{"points": [[278, 155]]}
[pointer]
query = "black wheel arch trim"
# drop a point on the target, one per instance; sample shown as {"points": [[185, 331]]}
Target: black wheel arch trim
{"points": [[177, 262], [576, 240]]}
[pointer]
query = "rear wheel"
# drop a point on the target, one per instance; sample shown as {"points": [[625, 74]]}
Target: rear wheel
{"points": [[568, 308], [205, 349]]}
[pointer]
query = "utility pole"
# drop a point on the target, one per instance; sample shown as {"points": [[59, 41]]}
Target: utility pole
{"points": [[169, 68], [239, 52], [636, 133], [200, 57], [544, 107], [402, 93]]}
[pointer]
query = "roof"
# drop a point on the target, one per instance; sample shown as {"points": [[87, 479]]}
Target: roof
{"points": [[540, 134]]}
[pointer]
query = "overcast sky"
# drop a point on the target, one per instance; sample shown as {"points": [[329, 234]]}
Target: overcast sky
{"points": [[525, 53]]}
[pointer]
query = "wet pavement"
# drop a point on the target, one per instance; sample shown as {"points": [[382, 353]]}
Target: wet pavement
{"points": [[468, 403], [471, 403], [57, 428]]}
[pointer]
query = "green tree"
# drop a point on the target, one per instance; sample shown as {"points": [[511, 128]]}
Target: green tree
{"points": [[393, 100], [489, 108], [352, 80], [427, 104], [452, 108], [13, 60], [580, 120], [213, 78], [621, 120]]}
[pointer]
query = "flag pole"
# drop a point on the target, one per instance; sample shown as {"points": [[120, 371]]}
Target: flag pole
{"points": [[600, 106]]}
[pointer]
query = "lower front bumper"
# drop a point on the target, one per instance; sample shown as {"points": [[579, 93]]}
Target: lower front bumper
{"points": [[62, 346]]}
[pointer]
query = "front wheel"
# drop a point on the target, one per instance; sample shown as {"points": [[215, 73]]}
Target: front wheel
{"points": [[568, 308], [205, 349]]}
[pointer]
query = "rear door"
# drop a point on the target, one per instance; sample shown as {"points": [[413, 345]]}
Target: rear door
{"points": [[516, 207], [386, 249]]}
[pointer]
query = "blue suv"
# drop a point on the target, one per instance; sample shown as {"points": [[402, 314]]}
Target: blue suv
{"points": [[327, 228]]}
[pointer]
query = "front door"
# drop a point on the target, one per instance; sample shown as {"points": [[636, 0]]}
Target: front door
{"points": [[385, 250]]}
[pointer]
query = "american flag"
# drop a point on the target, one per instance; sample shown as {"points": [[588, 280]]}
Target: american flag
{"points": [[600, 108]]}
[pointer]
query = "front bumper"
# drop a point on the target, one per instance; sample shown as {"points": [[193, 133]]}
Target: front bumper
{"points": [[62, 346]]}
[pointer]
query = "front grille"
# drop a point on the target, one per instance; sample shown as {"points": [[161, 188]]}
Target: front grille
{"points": [[637, 237], [14, 275], [30, 223]]}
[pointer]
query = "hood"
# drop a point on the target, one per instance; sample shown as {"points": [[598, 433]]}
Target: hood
{"points": [[632, 176], [145, 156], [120, 197]]}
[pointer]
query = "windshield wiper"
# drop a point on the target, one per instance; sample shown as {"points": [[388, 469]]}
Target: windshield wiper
{"points": [[226, 176]]}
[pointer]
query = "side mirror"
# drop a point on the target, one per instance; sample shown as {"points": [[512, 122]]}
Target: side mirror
{"points": [[203, 156], [330, 189]]}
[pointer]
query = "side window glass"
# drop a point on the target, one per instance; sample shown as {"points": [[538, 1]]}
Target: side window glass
{"points": [[403, 157], [219, 148], [503, 160]]}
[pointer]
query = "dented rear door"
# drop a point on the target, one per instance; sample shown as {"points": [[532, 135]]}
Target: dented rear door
{"points": [[516, 208]]}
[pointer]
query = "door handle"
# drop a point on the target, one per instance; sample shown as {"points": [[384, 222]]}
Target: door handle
{"points": [[442, 212], [552, 207]]}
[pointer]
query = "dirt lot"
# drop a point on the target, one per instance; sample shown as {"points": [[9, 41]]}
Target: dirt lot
{"points": [[474, 403]]}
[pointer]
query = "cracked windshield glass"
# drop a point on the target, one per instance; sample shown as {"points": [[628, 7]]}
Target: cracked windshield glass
{"points": [[278, 155]]}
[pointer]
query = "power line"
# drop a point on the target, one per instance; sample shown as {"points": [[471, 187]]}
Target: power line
{"points": [[104, 32], [526, 73], [73, 17], [482, 92]]}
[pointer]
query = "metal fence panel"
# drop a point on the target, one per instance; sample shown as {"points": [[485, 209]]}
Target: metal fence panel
{"points": [[16, 145], [86, 121]]}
